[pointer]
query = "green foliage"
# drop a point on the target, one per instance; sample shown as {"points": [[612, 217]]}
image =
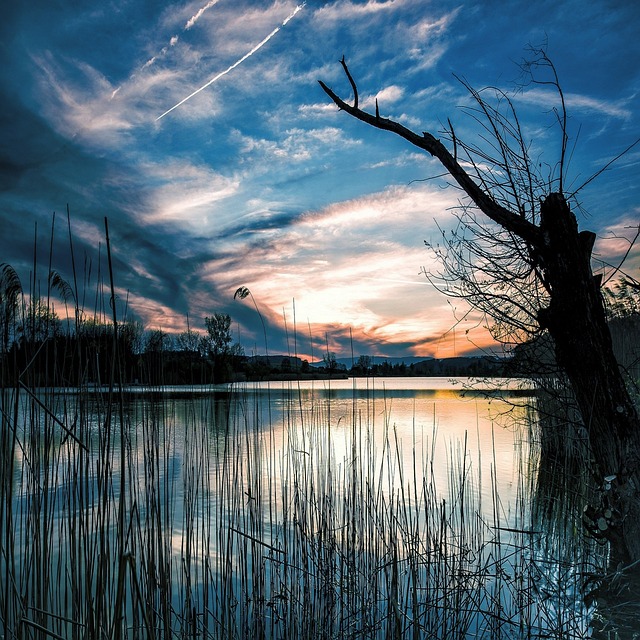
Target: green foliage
{"points": [[218, 338], [218, 345], [189, 340]]}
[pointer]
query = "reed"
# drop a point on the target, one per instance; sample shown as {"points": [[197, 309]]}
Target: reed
{"points": [[200, 517], [134, 513]]}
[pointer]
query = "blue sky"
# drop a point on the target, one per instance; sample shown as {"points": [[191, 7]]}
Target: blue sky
{"points": [[258, 181]]}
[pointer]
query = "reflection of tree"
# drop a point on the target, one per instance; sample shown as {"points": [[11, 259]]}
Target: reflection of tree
{"points": [[222, 411], [571, 569], [562, 482]]}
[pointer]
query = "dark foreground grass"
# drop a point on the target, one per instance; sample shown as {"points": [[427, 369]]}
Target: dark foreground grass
{"points": [[140, 515], [143, 516]]}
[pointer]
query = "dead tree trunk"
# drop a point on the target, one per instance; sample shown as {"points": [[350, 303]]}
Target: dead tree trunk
{"points": [[575, 319]]}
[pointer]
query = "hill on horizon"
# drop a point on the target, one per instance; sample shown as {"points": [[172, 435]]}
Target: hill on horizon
{"points": [[349, 361]]}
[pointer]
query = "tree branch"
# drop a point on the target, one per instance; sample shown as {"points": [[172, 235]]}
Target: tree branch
{"points": [[509, 220]]}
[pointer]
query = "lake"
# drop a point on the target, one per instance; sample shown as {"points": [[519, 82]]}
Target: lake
{"points": [[370, 507]]}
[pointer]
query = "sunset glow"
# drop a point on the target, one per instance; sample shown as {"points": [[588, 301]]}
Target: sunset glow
{"points": [[200, 131]]}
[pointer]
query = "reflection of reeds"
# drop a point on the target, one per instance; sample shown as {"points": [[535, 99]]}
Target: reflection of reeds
{"points": [[200, 518]]}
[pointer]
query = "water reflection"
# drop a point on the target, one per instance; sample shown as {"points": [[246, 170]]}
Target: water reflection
{"points": [[320, 509]]}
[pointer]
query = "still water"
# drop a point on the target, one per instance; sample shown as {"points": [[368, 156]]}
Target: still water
{"points": [[437, 423], [386, 507]]}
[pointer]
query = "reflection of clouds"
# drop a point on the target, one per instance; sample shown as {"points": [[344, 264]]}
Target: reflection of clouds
{"points": [[430, 425]]}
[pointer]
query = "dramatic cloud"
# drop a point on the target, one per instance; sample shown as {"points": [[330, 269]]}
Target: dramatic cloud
{"points": [[356, 261], [199, 131], [618, 242], [185, 195]]}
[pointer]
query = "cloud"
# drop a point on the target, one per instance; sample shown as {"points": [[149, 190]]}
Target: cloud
{"points": [[428, 39], [357, 261], [316, 109], [405, 159], [82, 104], [345, 11], [402, 36], [616, 242], [293, 145], [173, 40], [241, 184], [185, 194], [389, 95], [547, 98], [428, 28], [152, 313]]}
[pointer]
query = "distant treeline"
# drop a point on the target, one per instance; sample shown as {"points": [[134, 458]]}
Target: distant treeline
{"points": [[482, 366], [39, 349], [95, 356]]}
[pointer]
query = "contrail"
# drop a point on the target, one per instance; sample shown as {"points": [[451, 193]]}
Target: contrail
{"points": [[235, 64], [174, 39], [198, 15]]}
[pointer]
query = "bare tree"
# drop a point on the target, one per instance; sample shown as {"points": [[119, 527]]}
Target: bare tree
{"points": [[519, 255], [157, 341]]}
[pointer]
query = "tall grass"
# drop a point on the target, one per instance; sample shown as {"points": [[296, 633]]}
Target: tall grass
{"points": [[199, 517], [132, 513]]}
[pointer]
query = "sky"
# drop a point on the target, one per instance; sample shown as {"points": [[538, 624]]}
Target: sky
{"points": [[199, 131]]}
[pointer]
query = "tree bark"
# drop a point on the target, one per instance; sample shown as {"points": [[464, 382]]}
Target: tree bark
{"points": [[576, 321]]}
